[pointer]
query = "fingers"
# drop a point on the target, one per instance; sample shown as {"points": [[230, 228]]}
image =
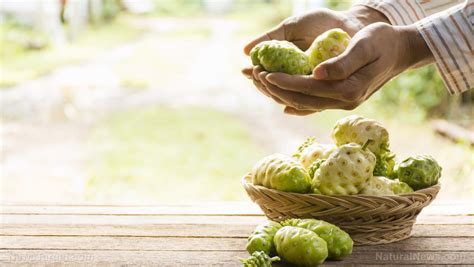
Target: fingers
{"points": [[276, 33], [256, 81], [260, 87], [261, 79], [247, 72], [356, 56], [257, 74], [293, 111], [349, 90], [256, 71], [301, 101], [307, 85]]}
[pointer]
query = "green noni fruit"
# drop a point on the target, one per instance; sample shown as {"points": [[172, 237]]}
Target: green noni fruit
{"points": [[314, 167], [261, 238], [328, 45], [281, 172], [418, 172], [384, 164], [378, 186], [280, 56], [345, 172], [310, 151], [359, 130], [338, 241], [284, 56], [259, 259], [399, 187], [299, 246], [309, 141], [383, 186]]}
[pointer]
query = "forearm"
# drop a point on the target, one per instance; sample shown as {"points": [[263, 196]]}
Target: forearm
{"points": [[449, 36], [363, 16], [400, 12], [417, 51], [440, 31]]}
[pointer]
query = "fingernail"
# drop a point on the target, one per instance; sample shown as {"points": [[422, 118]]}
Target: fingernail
{"points": [[320, 73], [270, 79]]}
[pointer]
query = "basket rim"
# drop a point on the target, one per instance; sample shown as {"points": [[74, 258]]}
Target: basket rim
{"points": [[424, 191]]}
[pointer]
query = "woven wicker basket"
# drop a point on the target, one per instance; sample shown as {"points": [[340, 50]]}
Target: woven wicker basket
{"points": [[368, 219]]}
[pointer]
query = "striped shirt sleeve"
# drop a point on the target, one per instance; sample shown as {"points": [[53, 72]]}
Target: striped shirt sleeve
{"points": [[450, 37], [405, 12], [447, 28]]}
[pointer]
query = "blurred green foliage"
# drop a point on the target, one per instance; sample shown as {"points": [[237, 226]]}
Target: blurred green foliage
{"points": [[169, 154], [110, 9], [17, 38], [420, 91], [143, 69], [28, 54], [258, 16], [338, 4], [178, 8]]}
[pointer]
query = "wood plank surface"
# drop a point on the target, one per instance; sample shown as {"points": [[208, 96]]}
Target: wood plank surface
{"points": [[213, 258], [191, 219], [206, 235], [227, 209], [192, 230], [206, 243]]}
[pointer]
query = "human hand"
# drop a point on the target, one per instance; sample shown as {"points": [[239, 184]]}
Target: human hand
{"points": [[303, 29], [375, 54]]}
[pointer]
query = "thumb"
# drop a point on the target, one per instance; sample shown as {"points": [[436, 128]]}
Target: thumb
{"points": [[344, 65], [276, 33]]}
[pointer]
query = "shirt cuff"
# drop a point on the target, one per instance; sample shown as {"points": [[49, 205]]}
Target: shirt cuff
{"points": [[398, 12], [449, 37]]}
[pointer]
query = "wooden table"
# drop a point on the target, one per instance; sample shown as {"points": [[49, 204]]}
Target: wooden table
{"points": [[199, 235]]}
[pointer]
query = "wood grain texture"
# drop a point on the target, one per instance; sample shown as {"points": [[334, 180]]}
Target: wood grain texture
{"points": [[228, 209], [207, 244], [191, 230], [201, 235], [185, 219], [212, 258]]}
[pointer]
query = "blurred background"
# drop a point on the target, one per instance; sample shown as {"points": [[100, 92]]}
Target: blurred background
{"points": [[142, 101]]}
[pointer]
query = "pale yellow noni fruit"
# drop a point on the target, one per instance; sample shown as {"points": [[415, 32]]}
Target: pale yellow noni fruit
{"points": [[327, 45], [378, 186], [345, 172], [382, 186], [314, 152], [357, 129]]}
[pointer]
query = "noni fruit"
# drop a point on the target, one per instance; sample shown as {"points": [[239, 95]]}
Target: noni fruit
{"points": [[309, 141], [327, 45], [261, 238], [299, 246], [310, 152], [399, 187], [314, 167], [281, 56], [284, 56], [259, 259], [418, 172], [359, 130], [345, 172], [339, 242], [281, 172], [383, 186], [378, 186], [384, 164]]}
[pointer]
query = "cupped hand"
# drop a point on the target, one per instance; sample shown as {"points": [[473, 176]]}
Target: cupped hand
{"points": [[303, 29], [375, 55]]}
